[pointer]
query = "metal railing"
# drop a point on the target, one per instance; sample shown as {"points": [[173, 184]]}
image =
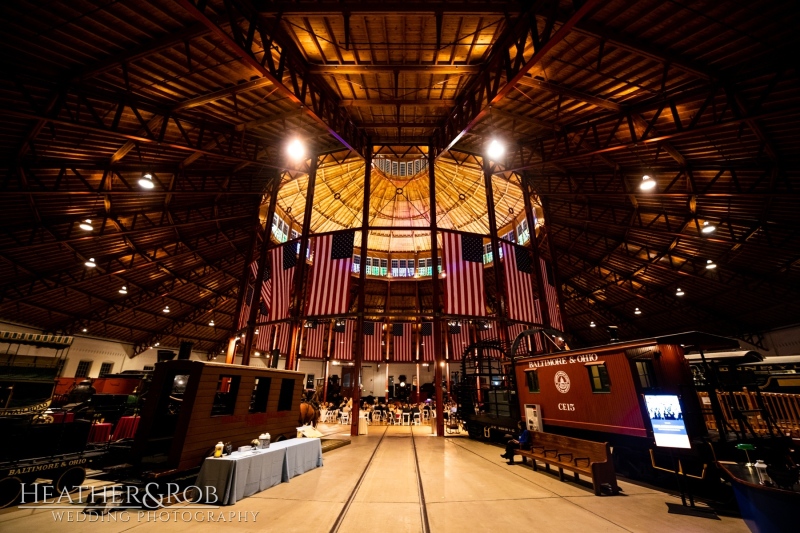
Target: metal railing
{"points": [[783, 411]]}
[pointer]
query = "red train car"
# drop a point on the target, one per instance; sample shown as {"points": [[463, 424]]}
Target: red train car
{"points": [[598, 393]]}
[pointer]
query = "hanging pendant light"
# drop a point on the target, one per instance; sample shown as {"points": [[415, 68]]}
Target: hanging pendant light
{"points": [[146, 181], [166, 309], [679, 292], [708, 227], [211, 324], [592, 324], [86, 225], [648, 183], [90, 263], [637, 311], [123, 290]]}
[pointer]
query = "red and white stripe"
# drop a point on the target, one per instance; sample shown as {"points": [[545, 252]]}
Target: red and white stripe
{"points": [[330, 280], [343, 342], [281, 285], [262, 340], [372, 343], [402, 345], [314, 336], [282, 341], [459, 341], [519, 287], [427, 346], [551, 295], [463, 282]]}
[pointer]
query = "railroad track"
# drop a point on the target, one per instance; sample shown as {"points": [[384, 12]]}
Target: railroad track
{"points": [[354, 492]]}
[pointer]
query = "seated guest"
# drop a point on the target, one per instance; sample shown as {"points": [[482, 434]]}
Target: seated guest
{"points": [[521, 443]]}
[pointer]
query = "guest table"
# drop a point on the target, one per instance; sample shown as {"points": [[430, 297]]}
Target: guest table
{"points": [[100, 432], [243, 474], [126, 427]]}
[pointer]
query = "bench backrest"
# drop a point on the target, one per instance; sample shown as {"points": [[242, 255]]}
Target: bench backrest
{"points": [[596, 451]]}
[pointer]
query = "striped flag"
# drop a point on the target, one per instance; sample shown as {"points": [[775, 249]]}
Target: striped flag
{"points": [[489, 331], [372, 341], [343, 340], [513, 332], [282, 341], [459, 339], [551, 295], [463, 267], [330, 275], [518, 270], [245, 312], [401, 337], [266, 290], [314, 335], [283, 260], [426, 341], [263, 338]]}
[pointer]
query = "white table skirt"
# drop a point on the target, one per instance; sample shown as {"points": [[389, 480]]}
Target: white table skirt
{"points": [[240, 475]]}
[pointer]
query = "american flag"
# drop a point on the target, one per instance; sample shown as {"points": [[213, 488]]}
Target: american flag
{"points": [[426, 341], [330, 275], [244, 315], [518, 270], [459, 339], [372, 341], [314, 335], [489, 331], [266, 290], [514, 330], [463, 267], [246, 303], [343, 340], [282, 341], [551, 294], [283, 260], [401, 337], [263, 339]]}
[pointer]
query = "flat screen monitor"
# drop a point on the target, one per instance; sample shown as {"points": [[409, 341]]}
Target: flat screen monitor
{"points": [[666, 418]]}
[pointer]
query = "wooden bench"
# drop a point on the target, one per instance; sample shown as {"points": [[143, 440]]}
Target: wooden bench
{"points": [[579, 456]]}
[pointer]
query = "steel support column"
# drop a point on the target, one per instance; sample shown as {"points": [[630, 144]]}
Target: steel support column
{"points": [[527, 191], [299, 286], [437, 311], [495, 243], [362, 281]]}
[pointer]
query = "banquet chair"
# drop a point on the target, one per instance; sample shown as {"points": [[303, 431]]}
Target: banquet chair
{"points": [[345, 418], [376, 416], [398, 416], [416, 419], [406, 419]]}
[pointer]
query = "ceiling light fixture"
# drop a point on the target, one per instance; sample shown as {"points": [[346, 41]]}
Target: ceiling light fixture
{"points": [[648, 183], [211, 323], [637, 311], [166, 309], [90, 263], [711, 265], [708, 227], [679, 292], [123, 290], [86, 225], [84, 330], [296, 149], [157, 344], [495, 150], [592, 324], [146, 181]]}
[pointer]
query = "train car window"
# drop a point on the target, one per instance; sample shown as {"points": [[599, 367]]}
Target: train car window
{"points": [[260, 395], [598, 377], [532, 379], [646, 375], [83, 369], [225, 397], [287, 395]]}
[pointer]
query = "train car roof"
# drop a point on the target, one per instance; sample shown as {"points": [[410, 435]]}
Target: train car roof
{"points": [[780, 359], [740, 356], [690, 340], [226, 366]]}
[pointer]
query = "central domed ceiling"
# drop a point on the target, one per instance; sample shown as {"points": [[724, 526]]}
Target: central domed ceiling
{"points": [[398, 201]]}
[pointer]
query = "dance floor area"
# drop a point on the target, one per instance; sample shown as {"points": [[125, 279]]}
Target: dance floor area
{"points": [[401, 479]]}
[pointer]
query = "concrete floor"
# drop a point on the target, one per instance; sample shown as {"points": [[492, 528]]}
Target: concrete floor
{"points": [[466, 487]]}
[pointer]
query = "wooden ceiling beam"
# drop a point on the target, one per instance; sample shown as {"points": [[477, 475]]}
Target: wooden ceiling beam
{"points": [[377, 69]]}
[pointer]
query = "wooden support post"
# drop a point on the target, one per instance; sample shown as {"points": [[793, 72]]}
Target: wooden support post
{"points": [[362, 281], [495, 243], [299, 286], [249, 335], [437, 311], [327, 363]]}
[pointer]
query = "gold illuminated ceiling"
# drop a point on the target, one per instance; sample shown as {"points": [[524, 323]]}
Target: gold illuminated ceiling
{"points": [[397, 201]]}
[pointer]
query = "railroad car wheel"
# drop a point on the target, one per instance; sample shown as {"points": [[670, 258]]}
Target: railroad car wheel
{"points": [[475, 431], [10, 491], [70, 479]]}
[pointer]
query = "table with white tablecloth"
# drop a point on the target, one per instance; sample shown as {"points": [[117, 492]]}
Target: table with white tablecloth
{"points": [[243, 474]]}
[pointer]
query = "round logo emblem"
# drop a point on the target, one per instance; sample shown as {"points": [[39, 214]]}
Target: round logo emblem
{"points": [[562, 381]]}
